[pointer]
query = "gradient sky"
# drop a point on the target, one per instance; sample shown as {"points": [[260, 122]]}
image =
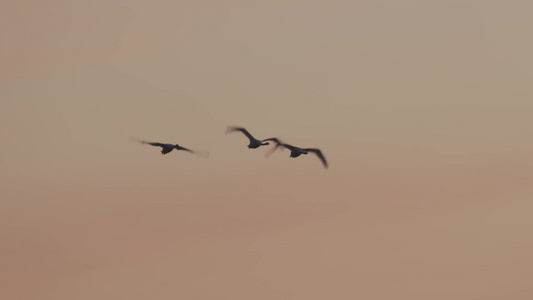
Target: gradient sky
{"points": [[422, 108]]}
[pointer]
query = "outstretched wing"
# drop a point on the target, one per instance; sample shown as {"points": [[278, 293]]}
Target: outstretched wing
{"points": [[290, 147], [241, 129], [151, 143], [278, 144], [271, 139], [319, 154], [155, 144], [199, 153], [182, 148]]}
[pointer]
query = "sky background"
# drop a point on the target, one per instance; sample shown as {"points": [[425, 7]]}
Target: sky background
{"points": [[422, 108]]}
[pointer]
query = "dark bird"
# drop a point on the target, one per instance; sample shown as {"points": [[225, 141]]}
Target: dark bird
{"points": [[254, 143], [297, 151], [166, 148]]}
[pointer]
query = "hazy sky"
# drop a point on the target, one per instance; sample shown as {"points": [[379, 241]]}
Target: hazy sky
{"points": [[422, 108]]}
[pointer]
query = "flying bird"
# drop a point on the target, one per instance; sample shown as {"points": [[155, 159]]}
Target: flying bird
{"points": [[297, 151], [254, 143], [166, 148]]}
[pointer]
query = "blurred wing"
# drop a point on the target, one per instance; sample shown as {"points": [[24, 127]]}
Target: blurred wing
{"points": [[320, 155], [199, 153], [271, 139], [273, 149], [155, 144], [290, 147], [183, 148], [241, 129], [150, 143]]}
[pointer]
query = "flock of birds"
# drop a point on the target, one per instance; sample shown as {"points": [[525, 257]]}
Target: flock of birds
{"points": [[254, 144]]}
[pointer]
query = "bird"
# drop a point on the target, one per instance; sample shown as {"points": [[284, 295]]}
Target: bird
{"points": [[297, 151], [254, 143], [166, 148]]}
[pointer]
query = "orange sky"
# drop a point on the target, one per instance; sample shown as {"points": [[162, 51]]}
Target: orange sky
{"points": [[422, 108]]}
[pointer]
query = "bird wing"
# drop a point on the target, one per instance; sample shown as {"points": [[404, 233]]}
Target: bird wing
{"points": [[182, 148], [199, 153], [271, 139], [290, 147], [152, 143], [157, 144], [241, 129], [320, 155], [278, 144]]}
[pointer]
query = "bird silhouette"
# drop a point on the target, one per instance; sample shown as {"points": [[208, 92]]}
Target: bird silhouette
{"points": [[166, 148], [297, 151], [254, 143]]}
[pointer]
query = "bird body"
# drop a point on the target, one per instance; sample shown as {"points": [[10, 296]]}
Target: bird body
{"points": [[254, 143], [169, 147], [297, 151]]}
